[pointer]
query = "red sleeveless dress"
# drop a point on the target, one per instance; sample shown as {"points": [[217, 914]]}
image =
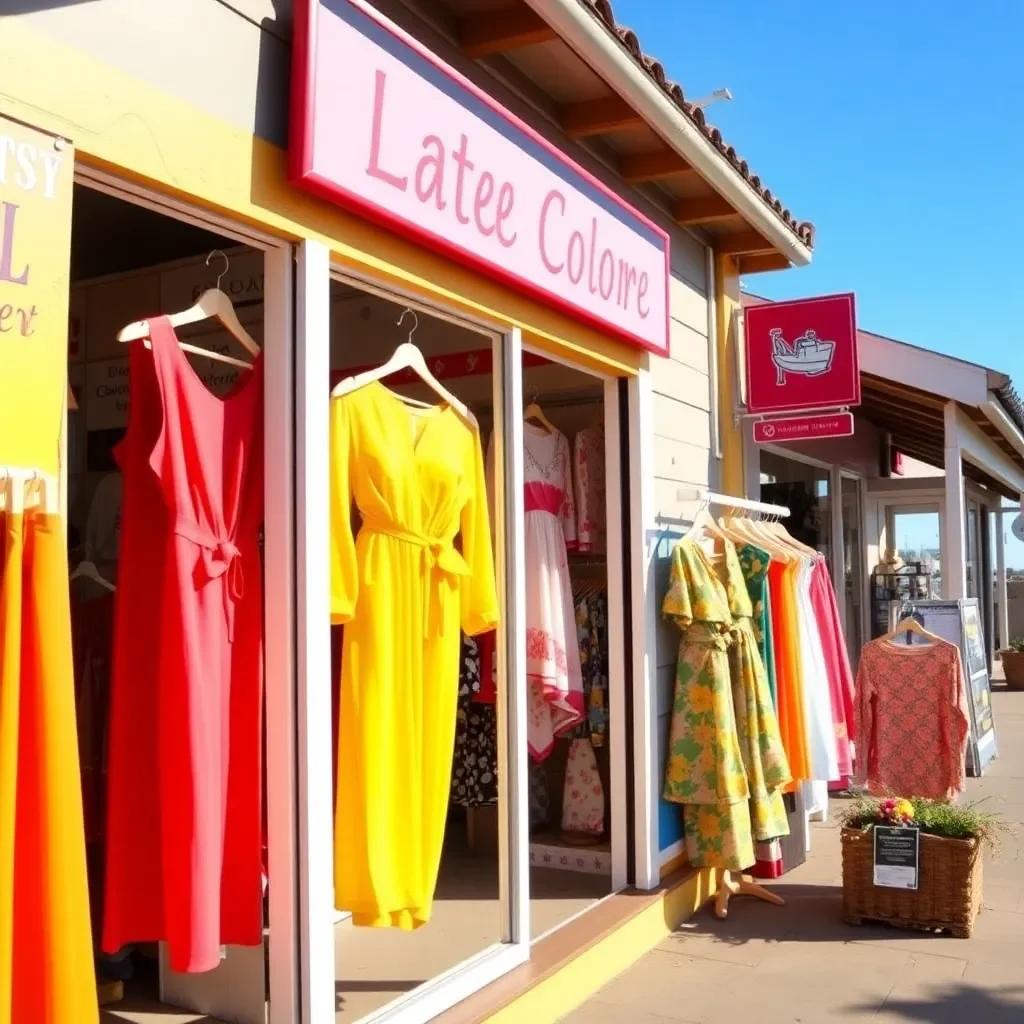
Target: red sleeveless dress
{"points": [[184, 770]]}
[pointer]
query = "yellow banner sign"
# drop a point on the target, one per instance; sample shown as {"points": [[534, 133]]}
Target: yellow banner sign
{"points": [[36, 176]]}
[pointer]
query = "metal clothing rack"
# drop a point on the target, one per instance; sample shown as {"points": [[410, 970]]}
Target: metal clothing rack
{"points": [[726, 501]]}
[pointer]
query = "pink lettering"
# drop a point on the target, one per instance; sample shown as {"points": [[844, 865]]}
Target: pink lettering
{"points": [[593, 250], [627, 278], [6, 313], [577, 244], [374, 169], [432, 163], [551, 197], [641, 291], [464, 164], [506, 199], [484, 193], [10, 211], [607, 263]]}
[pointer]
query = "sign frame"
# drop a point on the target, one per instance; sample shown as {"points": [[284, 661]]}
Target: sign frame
{"points": [[891, 875], [799, 318], [302, 172]]}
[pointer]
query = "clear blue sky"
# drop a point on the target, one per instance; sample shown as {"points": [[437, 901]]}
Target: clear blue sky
{"points": [[897, 128]]}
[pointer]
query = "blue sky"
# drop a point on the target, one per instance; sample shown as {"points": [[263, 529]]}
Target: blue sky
{"points": [[897, 129]]}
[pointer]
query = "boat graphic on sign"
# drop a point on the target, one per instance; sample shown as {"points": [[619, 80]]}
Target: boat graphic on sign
{"points": [[808, 356]]}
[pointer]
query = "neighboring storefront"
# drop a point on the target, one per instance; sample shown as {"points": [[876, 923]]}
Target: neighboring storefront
{"points": [[500, 187], [937, 448]]}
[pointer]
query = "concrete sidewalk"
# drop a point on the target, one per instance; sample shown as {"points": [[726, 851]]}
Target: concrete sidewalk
{"points": [[799, 964]]}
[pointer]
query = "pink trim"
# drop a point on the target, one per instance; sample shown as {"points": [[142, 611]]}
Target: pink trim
{"points": [[305, 15], [542, 497]]}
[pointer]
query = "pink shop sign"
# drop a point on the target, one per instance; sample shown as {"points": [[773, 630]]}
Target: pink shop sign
{"points": [[380, 125]]}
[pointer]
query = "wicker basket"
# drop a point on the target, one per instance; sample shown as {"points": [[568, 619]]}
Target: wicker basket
{"points": [[949, 880]]}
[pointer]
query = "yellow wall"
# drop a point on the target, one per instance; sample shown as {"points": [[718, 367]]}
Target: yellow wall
{"points": [[727, 302], [121, 124]]}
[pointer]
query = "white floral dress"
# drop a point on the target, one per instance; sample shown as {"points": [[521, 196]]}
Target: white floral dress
{"points": [[554, 677]]}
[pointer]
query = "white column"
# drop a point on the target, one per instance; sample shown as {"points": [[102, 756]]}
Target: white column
{"points": [[1003, 620], [313, 639], [954, 519], [646, 615]]}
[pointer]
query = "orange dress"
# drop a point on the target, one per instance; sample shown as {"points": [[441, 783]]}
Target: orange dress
{"points": [[46, 957], [789, 681]]}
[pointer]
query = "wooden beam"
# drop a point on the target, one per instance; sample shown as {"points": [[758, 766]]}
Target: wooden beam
{"points": [[598, 117], [743, 243], [500, 31], [703, 210], [903, 393], [763, 262], [662, 163]]}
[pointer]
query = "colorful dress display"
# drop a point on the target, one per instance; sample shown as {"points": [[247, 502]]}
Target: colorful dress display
{"points": [[46, 951], [184, 808], [755, 562], [724, 744], [553, 673], [403, 590], [912, 719]]}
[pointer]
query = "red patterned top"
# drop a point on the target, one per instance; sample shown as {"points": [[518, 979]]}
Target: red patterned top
{"points": [[912, 720]]}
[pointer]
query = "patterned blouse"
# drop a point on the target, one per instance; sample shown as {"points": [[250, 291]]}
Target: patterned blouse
{"points": [[912, 722]]}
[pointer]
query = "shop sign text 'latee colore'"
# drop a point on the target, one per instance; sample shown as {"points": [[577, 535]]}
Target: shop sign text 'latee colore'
{"points": [[382, 126]]}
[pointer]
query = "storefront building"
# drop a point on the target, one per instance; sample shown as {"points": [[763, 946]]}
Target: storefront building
{"points": [[529, 201], [937, 450]]}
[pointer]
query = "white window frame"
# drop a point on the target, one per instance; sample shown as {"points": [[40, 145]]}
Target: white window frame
{"points": [[236, 989]]}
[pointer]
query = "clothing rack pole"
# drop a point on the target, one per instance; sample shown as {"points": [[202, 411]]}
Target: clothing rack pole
{"points": [[713, 498]]}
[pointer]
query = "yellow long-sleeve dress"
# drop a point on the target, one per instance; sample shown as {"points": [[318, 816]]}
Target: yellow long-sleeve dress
{"points": [[403, 590]]}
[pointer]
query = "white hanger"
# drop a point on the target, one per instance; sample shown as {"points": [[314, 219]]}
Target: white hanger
{"points": [[406, 356], [212, 304], [86, 569], [535, 413]]}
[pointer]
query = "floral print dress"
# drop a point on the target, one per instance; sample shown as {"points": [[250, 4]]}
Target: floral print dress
{"points": [[726, 764]]}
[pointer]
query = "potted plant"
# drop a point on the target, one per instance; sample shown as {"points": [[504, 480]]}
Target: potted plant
{"points": [[1012, 658], [952, 837]]}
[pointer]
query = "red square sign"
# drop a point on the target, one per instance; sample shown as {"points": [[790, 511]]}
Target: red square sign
{"points": [[802, 355]]}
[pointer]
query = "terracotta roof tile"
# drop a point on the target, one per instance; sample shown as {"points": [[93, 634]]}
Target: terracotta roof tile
{"points": [[602, 10]]}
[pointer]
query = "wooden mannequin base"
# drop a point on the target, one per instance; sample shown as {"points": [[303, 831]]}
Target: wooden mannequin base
{"points": [[740, 885]]}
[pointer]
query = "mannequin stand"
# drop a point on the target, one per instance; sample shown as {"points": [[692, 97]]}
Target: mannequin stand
{"points": [[741, 886]]}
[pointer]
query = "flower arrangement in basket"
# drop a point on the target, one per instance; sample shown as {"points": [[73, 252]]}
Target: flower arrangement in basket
{"points": [[949, 864]]}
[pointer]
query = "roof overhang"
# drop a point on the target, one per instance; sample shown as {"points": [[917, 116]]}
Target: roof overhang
{"points": [[905, 391]]}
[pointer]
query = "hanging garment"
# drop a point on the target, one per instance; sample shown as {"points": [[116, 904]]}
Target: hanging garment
{"points": [[184, 828], [789, 692], [487, 691], [582, 792], [555, 693], [724, 744], [837, 664], [821, 737], [402, 589], [754, 562], [475, 764], [46, 949], [912, 720], [589, 479], [92, 641]]}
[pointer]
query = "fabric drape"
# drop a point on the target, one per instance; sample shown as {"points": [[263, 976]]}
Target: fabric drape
{"points": [[46, 954]]}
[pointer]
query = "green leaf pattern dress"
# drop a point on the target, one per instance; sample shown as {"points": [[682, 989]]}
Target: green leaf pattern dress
{"points": [[726, 764]]}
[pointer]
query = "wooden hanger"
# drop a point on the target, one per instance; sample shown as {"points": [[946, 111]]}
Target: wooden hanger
{"points": [[535, 414], [911, 625], [406, 356], [86, 569], [213, 304]]}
